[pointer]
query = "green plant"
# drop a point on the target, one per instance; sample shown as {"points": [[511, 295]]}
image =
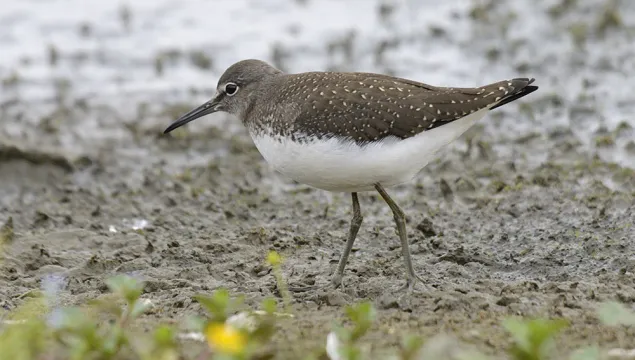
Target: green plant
{"points": [[24, 335], [80, 332], [344, 343], [410, 347], [275, 260], [102, 329], [107, 328], [533, 339], [235, 336]]}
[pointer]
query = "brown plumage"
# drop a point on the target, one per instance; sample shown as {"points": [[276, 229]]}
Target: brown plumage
{"points": [[367, 107]]}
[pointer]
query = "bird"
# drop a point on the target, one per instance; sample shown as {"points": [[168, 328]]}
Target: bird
{"points": [[351, 132]]}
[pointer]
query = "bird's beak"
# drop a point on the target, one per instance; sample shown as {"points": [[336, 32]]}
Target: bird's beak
{"points": [[205, 109]]}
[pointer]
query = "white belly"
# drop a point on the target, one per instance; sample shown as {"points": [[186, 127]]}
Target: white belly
{"points": [[341, 165]]}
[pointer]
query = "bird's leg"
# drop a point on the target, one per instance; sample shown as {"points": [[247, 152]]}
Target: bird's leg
{"points": [[400, 221], [356, 223]]}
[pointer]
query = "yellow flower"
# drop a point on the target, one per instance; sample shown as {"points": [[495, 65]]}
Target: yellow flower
{"points": [[274, 259], [225, 338]]}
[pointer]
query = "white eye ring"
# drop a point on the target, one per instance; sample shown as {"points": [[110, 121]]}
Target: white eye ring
{"points": [[231, 89]]}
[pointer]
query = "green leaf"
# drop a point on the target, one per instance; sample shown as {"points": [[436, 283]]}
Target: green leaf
{"points": [[216, 304], [410, 347], [351, 353], [164, 336], [532, 338], [219, 305], [613, 314], [588, 353], [363, 316], [79, 350], [126, 287], [78, 331], [519, 331], [269, 305], [113, 341], [27, 340], [343, 334]]}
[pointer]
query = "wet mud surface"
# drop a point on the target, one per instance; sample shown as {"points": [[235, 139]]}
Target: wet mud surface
{"points": [[533, 222]]}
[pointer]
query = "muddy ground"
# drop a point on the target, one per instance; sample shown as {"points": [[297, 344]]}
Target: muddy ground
{"points": [[538, 222]]}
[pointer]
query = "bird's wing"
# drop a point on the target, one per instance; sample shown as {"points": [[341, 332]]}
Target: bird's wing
{"points": [[367, 107]]}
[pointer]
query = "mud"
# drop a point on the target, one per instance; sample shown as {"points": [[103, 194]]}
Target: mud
{"points": [[535, 219]]}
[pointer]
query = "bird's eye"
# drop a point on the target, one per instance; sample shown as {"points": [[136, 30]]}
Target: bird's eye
{"points": [[231, 89]]}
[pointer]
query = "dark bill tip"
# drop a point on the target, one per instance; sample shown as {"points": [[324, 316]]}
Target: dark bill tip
{"points": [[205, 109]]}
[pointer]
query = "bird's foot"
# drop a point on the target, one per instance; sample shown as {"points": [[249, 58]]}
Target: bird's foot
{"points": [[410, 286]]}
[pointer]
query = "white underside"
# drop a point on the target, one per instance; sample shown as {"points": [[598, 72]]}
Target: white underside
{"points": [[342, 165]]}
